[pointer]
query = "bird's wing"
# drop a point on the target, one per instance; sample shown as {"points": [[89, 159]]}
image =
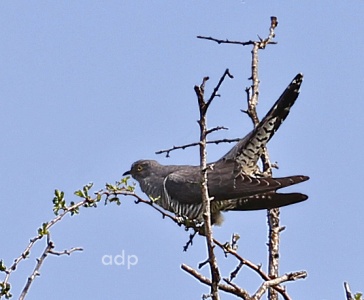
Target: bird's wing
{"points": [[184, 186], [249, 149]]}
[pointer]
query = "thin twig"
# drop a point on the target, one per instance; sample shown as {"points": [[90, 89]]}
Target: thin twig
{"points": [[36, 269], [190, 241], [226, 288], [215, 129], [274, 282], [348, 294], [234, 273], [25, 254], [141, 200], [217, 87], [65, 252], [167, 151], [48, 250], [256, 268], [226, 41]]}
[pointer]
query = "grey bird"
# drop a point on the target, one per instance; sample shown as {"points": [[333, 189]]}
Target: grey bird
{"points": [[232, 180]]}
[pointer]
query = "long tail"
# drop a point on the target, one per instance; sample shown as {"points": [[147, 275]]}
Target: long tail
{"points": [[248, 150], [261, 201], [224, 184]]}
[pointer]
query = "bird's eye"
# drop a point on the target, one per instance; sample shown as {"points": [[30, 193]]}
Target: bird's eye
{"points": [[139, 168]]}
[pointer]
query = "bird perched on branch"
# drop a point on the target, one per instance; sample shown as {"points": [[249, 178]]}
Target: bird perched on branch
{"points": [[232, 183]]}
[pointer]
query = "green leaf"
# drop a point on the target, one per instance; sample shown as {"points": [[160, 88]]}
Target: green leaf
{"points": [[115, 199], [111, 188], [86, 188], [125, 180], [59, 194], [154, 199], [89, 186], [75, 210], [80, 193], [358, 296], [5, 290], [2, 266], [98, 197], [130, 188], [58, 201], [43, 230]]}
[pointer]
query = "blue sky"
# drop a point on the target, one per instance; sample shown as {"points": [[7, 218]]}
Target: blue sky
{"points": [[88, 87]]}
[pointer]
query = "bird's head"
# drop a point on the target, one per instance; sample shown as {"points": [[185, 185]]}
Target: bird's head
{"points": [[141, 169]]}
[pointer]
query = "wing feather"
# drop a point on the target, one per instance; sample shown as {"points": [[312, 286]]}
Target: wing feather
{"points": [[185, 185]]}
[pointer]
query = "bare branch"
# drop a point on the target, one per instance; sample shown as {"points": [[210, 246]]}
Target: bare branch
{"points": [[36, 269], [45, 229], [274, 282], [167, 151], [348, 294], [216, 89], [234, 273], [203, 106], [261, 44], [226, 41], [141, 200], [48, 250], [226, 288], [273, 243], [234, 289], [190, 241], [215, 129], [252, 99], [256, 268], [66, 251]]}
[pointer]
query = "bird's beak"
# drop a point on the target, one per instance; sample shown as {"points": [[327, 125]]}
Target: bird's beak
{"points": [[126, 173]]}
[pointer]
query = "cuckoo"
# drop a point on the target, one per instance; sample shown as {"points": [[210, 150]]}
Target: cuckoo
{"points": [[233, 181]]}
